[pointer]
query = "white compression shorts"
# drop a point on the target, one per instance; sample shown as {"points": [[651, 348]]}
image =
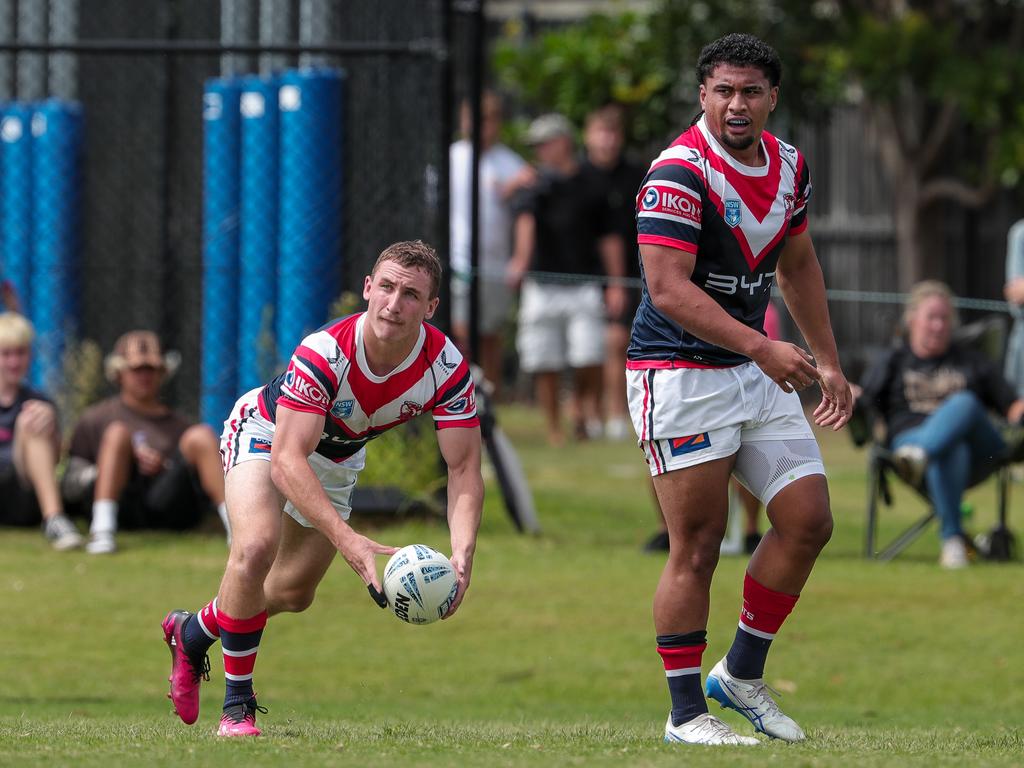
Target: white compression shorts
{"points": [[688, 416]]}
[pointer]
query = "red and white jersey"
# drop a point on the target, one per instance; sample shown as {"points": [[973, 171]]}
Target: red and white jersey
{"points": [[328, 374], [736, 218]]}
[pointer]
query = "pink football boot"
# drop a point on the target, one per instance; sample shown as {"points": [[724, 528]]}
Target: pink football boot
{"points": [[240, 719], [185, 675]]}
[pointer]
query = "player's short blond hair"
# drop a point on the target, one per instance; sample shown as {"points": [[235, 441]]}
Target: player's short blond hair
{"points": [[15, 330], [927, 289], [414, 254]]}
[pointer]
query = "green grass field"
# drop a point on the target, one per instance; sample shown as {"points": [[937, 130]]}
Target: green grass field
{"points": [[550, 661]]}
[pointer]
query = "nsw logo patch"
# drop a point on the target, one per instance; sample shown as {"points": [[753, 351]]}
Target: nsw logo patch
{"points": [[680, 445], [342, 409], [733, 214]]}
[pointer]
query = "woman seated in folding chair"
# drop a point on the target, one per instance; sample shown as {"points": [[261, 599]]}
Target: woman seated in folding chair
{"points": [[935, 397]]}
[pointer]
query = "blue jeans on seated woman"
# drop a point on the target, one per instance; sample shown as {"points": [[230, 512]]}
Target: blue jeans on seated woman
{"points": [[963, 447]]}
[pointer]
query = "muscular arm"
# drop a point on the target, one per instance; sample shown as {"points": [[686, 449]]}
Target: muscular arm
{"points": [[668, 272], [295, 438], [460, 448], [800, 279]]}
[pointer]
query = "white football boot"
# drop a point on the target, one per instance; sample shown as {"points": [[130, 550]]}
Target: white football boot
{"points": [[705, 729], [752, 699]]}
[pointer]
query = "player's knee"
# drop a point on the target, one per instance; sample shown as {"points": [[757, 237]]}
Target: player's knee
{"points": [[252, 559], [694, 556], [814, 533]]}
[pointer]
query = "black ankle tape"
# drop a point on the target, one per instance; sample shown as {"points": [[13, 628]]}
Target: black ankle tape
{"points": [[700, 637]]}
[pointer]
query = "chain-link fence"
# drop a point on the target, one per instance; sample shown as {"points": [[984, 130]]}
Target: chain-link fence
{"points": [[219, 172]]}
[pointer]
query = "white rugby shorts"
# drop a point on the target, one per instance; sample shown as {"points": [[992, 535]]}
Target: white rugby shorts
{"points": [[247, 436], [560, 326], [688, 416]]}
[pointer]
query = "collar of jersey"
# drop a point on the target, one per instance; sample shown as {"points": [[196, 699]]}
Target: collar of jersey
{"points": [[361, 354], [746, 170]]}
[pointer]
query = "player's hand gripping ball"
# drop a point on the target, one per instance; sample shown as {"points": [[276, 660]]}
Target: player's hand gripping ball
{"points": [[420, 584]]}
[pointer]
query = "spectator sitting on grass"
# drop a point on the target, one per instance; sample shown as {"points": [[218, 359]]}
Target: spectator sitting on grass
{"points": [[29, 443], [147, 466]]}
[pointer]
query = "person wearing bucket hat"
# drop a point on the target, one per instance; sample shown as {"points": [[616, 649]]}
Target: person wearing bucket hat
{"points": [[145, 465]]}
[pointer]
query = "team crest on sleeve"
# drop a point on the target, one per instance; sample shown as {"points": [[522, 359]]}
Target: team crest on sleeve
{"points": [[790, 204], [733, 214], [342, 409]]}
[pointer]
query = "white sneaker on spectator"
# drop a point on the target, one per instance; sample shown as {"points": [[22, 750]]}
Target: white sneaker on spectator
{"points": [[911, 461], [705, 729], [101, 543], [617, 428], [62, 533], [954, 553]]}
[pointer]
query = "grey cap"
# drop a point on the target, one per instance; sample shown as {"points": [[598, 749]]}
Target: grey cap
{"points": [[548, 127]]}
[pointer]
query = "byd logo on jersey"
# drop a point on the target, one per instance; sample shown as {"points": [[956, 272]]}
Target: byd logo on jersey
{"points": [[680, 445]]}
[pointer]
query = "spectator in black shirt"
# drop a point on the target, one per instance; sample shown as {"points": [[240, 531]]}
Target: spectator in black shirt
{"points": [[29, 443], [563, 227], [604, 137], [935, 397]]}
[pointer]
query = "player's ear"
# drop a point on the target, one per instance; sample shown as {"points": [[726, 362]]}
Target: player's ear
{"points": [[703, 93], [367, 283], [431, 307]]}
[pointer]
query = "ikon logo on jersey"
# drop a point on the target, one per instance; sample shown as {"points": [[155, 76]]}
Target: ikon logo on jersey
{"points": [[680, 445], [303, 389], [669, 201]]}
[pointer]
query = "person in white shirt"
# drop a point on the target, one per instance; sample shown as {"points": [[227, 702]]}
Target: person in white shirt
{"points": [[502, 172]]}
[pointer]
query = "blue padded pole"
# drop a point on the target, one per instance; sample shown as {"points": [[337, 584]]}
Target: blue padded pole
{"points": [[16, 200], [257, 350], [57, 142], [218, 379], [309, 238]]}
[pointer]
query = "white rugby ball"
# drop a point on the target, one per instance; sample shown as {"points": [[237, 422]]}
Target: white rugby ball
{"points": [[420, 584]]}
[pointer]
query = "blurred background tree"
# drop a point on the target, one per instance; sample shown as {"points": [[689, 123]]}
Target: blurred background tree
{"points": [[938, 81]]}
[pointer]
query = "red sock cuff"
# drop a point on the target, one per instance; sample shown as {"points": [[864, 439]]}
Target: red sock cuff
{"points": [[683, 657], [208, 619], [241, 626], [764, 609]]}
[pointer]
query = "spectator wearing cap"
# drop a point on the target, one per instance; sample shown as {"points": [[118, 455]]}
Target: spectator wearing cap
{"points": [[148, 467], [29, 443], [564, 226]]}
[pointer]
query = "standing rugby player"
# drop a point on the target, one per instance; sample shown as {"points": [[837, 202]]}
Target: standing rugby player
{"points": [[292, 451], [721, 217]]}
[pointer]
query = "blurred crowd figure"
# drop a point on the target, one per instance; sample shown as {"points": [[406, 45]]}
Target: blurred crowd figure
{"points": [[604, 137], [29, 442], [140, 463], [563, 227], [1014, 293], [132, 461], [937, 399], [502, 172]]}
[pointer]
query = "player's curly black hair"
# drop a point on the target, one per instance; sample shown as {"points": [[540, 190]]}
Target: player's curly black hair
{"points": [[741, 50]]}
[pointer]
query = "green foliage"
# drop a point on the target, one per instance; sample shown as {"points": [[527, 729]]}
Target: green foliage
{"points": [[914, 57], [575, 69]]}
